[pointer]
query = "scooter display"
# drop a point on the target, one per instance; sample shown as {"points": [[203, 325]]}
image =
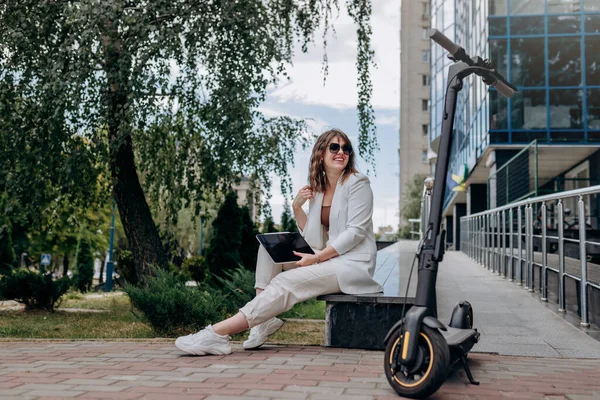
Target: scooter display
{"points": [[420, 350]]}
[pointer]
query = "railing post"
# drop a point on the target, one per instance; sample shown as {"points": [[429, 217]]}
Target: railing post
{"points": [[544, 274], [561, 257], [520, 255], [504, 244], [526, 247], [583, 264], [486, 255], [512, 249], [498, 241], [530, 239]]}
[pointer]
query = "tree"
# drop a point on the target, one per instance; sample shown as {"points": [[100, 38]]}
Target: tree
{"points": [[167, 90], [411, 199], [223, 251], [84, 267], [269, 225], [7, 253], [288, 224], [249, 244]]}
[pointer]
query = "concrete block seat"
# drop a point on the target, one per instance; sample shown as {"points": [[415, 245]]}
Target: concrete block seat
{"points": [[362, 321]]}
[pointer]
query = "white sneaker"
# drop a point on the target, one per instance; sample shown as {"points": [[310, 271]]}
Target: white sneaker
{"points": [[260, 333], [204, 342]]}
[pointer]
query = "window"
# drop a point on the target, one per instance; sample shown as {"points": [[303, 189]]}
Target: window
{"points": [[564, 61], [527, 7], [424, 156], [593, 105], [497, 7], [566, 109], [425, 129], [529, 109], [425, 56], [425, 104], [425, 80], [564, 24], [425, 33], [527, 61], [592, 59], [563, 6]]}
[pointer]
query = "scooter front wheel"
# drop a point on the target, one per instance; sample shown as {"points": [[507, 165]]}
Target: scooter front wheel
{"points": [[428, 372]]}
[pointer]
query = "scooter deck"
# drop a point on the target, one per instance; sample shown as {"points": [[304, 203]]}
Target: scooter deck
{"points": [[456, 337]]}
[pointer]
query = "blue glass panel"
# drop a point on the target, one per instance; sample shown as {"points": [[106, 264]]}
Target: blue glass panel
{"points": [[498, 111], [497, 7], [593, 109], [571, 136], [498, 55], [566, 108], [528, 110], [497, 26], [527, 7], [564, 23], [592, 23], [530, 25], [591, 5], [563, 6], [592, 60], [564, 61], [527, 62]]}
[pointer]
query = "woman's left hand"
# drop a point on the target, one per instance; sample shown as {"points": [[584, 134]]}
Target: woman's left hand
{"points": [[307, 259]]}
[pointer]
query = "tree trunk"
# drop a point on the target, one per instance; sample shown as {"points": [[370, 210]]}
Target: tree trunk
{"points": [[142, 235], [101, 277], [65, 264]]}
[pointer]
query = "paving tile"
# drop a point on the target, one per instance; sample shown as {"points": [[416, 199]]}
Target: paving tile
{"points": [[52, 393]]}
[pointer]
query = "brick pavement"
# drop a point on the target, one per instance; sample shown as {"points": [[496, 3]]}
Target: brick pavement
{"points": [[157, 370]]}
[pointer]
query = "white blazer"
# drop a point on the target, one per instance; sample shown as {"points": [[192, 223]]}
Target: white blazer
{"points": [[350, 233]]}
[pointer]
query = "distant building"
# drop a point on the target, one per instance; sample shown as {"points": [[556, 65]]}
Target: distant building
{"points": [[244, 198], [415, 80]]}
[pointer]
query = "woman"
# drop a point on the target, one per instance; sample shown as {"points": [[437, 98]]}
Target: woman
{"points": [[339, 227]]}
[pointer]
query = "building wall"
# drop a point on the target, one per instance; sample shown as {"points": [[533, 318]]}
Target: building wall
{"points": [[547, 48], [414, 91]]}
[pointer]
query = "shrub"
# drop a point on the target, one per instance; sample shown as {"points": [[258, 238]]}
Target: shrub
{"points": [[239, 286], [196, 268], [171, 307], [35, 290], [84, 267], [125, 266], [7, 253], [223, 251], [249, 245]]}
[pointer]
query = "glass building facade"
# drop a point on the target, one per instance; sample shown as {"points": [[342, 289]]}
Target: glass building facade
{"points": [[549, 49]]}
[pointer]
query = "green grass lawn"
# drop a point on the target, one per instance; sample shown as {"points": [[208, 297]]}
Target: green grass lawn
{"points": [[118, 322]]}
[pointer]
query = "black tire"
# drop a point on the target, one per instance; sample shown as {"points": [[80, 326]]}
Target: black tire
{"points": [[427, 377], [469, 322]]}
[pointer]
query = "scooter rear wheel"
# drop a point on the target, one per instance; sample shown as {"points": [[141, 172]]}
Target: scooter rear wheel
{"points": [[429, 370]]}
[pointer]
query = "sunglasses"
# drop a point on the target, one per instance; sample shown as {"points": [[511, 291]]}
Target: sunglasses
{"points": [[334, 148]]}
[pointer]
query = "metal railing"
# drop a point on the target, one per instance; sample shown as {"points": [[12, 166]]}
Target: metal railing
{"points": [[505, 239]]}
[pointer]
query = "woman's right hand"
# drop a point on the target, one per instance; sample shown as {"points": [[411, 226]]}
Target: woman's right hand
{"points": [[306, 193]]}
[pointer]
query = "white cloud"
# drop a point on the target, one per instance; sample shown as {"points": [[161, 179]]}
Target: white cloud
{"points": [[340, 90]]}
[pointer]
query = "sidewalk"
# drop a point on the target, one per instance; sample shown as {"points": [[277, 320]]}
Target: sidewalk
{"points": [[157, 370], [556, 360], [511, 320]]}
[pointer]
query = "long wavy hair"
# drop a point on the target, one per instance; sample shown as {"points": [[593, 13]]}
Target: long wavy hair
{"points": [[317, 177]]}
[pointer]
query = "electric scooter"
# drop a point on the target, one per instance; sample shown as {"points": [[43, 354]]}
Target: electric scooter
{"points": [[420, 350]]}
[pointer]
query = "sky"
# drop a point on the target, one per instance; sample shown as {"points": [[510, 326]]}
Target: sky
{"points": [[333, 104]]}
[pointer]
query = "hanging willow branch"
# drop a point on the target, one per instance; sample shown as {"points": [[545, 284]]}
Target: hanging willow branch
{"points": [[166, 89]]}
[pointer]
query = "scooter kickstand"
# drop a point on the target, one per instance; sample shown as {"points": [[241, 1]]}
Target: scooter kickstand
{"points": [[463, 359]]}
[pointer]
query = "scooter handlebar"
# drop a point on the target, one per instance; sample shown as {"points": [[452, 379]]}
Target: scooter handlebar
{"points": [[443, 41], [503, 89]]}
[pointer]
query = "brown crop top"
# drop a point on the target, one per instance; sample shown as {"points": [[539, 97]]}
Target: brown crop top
{"points": [[325, 215]]}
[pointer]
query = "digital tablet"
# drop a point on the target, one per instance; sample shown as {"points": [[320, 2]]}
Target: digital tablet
{"points": [[280, 246]]}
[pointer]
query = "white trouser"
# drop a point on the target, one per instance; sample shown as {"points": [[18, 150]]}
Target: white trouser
{"points": [[284, 289]]}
